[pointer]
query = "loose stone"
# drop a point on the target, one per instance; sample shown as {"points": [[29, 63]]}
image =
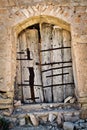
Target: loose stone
{"points": [[68, 126], [34, 120]]}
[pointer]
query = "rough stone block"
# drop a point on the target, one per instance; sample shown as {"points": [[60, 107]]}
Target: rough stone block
{"points": [[22, 121], [83, 114], [68, 126], [5, 101], [51, 117], [34, 120]]}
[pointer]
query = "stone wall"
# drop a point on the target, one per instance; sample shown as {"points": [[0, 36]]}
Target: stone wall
{"points": [[15, 16]]}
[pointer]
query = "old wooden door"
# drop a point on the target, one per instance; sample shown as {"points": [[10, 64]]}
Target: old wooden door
{"points": [[44, 64]]}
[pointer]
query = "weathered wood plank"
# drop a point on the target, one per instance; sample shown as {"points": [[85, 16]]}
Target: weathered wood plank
{"points": [[68, 90], [57, 57], [46, 39], [24, 65], [33, 45]]}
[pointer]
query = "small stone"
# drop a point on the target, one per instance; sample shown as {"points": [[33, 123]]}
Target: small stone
{"points": [[22, 121], [68, 126], [28, 121], [11, 125], [82, 125], [44, 118], [11, 110], [77, 126], [71, 118], [18, 103], [6, 113], [60, 119], [68, 99], [51, 117], [81, 121], [15, 101], [51, 106], [72, 100], [18, 110], [34, 120], [21, 115], [14, 119]]}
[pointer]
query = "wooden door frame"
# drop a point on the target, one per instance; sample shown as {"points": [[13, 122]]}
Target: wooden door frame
{"points": [[35, 20]]}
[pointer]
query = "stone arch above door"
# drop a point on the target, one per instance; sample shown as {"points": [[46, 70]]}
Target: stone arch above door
{"points": [[40, 19]]}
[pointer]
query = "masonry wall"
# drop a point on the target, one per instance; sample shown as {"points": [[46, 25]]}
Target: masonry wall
{"points": [[14, 17]]}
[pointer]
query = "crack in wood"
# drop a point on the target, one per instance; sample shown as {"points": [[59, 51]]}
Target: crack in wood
{"points": [[31, 81], [28, 54]]}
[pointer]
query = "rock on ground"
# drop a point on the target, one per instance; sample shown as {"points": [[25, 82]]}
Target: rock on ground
{"points": [[68, 126], [36, 128]]}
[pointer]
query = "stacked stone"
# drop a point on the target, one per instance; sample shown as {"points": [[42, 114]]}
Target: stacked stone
{"points": [[51, 121]]}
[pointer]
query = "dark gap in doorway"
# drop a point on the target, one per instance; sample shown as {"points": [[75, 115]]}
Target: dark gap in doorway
{"points": [[31, 82]]}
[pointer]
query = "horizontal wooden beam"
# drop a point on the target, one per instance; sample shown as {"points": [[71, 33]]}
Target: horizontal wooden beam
{"points": [[24, 59], [28, 85], [61, 62], [57, 68], [57, 75], [20, 52], [55, 85], [55, 49]]}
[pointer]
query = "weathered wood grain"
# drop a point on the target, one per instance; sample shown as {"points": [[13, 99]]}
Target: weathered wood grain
{"points": [[33, 44], [24, 65], [46, 39], [57, 57], [68, 89]]}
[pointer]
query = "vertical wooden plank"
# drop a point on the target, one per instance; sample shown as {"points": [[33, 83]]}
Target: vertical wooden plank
{"points": [[46, 39], [24, 65], [69, 89], [57, 57], [33, 44]]}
